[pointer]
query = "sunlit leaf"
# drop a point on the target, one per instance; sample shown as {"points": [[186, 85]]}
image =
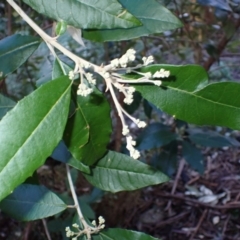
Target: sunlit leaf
{"points": [[30, 132], [92, 116], [154, 18], [118, 172], [102, 14], [187, 95]]}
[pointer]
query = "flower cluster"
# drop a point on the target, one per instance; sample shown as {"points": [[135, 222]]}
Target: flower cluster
{"points": [[101, 222], [128, 57], [85, 86], [91, 230], [115, 80], [122, 85]]}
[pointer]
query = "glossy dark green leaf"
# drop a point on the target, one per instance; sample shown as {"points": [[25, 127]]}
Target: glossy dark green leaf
{"points": [[30, 202], [60, 68], [92, 117], [211, 139], [15, 50], [122, 234], [147, 108], [167, 160], [154, 17], [62, 154], [155, 135], [86, 14], [193, 156], [30, 132], [118, 172], [187, 96], [6, 104]]}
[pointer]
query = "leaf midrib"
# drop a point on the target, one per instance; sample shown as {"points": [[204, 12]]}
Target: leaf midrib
{"points": [[37, 203], [19, 48], [198, 96], [117, 170]]}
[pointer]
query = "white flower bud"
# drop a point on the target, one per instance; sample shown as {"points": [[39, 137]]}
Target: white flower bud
{"points": [[101, 220], [157, 83], [131, 89], [90, 78], [148, 75], [125, 130], [161, 74], [128, 99], [67, 229], [141, 124], [84, 90], [75, 225], [71, 75], [123, 61], [102, 226], [147, 60], [114, 63]]}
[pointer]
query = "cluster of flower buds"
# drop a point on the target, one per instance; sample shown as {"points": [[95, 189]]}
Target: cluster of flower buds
{"points": [[78, 232], [70, 233], [122, 84], [101, 223], [85, 86], [113, 79]]}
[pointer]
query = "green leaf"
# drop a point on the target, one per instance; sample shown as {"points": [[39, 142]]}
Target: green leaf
{"points": [[62, 154], [147, 108], [193, 156], [137, 98], [30, 132], [118, 172], [61, 28], [30, 202], [104, 14], [155, 135], [122, 234], [15, 50], [60, 68], [211, 139], [92, 117], [154, 17], [186, 96], [167, 160], [6, 104]]}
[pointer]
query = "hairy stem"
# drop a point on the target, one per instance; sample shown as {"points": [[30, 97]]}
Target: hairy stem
{"points": [[52, 41], [76, 203]]}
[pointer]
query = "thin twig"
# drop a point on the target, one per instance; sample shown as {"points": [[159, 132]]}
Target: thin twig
{"points": [[75, 199], [46, 229], [180, 169], [196, 203], [225, 225], [172, 219], [199, 224]]}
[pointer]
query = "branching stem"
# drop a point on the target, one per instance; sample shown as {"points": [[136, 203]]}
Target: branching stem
{"points": [[77, 206], [52, 41]]}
